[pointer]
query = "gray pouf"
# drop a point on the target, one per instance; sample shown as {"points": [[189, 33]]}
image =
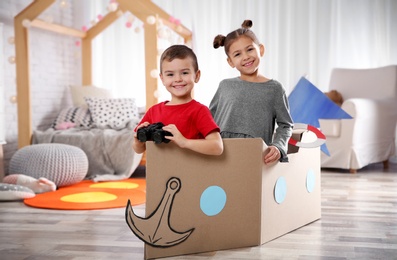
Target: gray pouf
{"points": [[61, 163]]}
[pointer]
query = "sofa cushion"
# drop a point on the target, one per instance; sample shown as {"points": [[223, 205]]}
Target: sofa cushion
{"points": [[330, 127]]}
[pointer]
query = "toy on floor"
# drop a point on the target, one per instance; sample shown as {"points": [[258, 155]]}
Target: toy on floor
{"points": [[40, 185], [11, 192]]}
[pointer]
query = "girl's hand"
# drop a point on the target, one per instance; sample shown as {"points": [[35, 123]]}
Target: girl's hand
{"points": [[273, 155]]}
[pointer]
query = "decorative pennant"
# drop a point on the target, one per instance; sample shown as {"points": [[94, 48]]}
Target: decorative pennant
{"points": [[308, 104]]}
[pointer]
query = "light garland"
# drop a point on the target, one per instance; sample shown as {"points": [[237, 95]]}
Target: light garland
{"points": [[11, 59], [154, 73], [63, 4], [156, 94], [151, 19], [112, 7], [13, 99], [26, 23], [11, 40]]}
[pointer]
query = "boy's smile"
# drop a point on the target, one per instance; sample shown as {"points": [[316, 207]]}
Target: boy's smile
{"points": [[179, 77]]}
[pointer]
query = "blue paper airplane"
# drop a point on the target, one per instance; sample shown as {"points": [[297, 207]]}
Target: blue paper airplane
{"points": [[308, 104]]}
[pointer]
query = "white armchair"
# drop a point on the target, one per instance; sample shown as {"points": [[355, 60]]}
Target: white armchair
{"points": [[370, 97]]}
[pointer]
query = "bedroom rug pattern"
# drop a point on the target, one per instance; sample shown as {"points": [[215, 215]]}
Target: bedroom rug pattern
{"points": [[87, 195]]}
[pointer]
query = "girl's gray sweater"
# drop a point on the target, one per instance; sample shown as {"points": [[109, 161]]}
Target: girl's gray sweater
{"points": [[253, 109]]}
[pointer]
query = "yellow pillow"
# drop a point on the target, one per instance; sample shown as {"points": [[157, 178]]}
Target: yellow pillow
{"points": [[79, 92]]}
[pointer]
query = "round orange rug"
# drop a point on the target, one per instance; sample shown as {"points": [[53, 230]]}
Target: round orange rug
{"points": [[92, 195]]}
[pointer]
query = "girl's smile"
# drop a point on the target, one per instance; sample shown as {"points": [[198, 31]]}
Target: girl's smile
{"points": [[244, 55]]}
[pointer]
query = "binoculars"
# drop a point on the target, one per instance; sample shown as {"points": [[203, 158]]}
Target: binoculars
{"points": [[153, 132]]}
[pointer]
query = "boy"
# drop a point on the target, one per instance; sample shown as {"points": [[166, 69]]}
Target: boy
{"points": [[190, 123]]}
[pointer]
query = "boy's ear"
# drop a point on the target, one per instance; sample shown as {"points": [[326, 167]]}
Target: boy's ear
{"points": [[230, 62], [161, 77], [198, 75], [261, 49]]}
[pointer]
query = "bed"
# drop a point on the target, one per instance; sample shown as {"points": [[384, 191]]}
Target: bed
{"points": [[149, 13], [102, 126], [108, 146]]}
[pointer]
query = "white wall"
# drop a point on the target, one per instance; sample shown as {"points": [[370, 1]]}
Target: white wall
{"points": [[302, 37], [53, 67], [55, 64]]}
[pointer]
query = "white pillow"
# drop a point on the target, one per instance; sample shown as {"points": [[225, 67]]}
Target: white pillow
{"points": [[79, 92], [112, 112], [10, 192]]}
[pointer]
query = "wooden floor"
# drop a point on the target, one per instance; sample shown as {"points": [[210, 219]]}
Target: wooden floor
{"points": [[359, 221]]}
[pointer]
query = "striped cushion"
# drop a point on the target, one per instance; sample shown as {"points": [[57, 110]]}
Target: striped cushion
{"points": [[79, 115]]}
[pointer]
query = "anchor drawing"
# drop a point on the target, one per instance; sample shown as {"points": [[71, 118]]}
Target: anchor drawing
{"points": [[155, 230]]}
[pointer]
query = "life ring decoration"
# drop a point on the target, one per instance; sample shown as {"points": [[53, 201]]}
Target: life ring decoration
{"points": [[318, 142]]}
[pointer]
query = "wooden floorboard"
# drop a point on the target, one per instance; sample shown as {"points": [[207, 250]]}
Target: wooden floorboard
{"points": [[359, 221]]}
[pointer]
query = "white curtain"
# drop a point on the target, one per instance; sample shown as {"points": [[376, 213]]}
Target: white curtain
{"points": [[118, 53], [306, 37]]}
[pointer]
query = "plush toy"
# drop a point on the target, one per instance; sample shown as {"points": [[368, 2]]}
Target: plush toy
{"points": [[335, 96], [40, 185], [65, 125]]}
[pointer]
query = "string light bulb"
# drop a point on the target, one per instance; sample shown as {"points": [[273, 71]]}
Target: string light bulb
{"points": [[64, 4], [11, 40], [151, 19], [13, 99], [11, 59], [154, 73], [179, 29], [163, 33], [26, 23], [112, 7], [48, 19], [119, 13], [131, 18]]}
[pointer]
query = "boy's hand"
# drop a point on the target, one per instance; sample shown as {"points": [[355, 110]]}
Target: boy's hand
{"points": [[138, 146], [273, 155], [176, 137], [144, 124]]}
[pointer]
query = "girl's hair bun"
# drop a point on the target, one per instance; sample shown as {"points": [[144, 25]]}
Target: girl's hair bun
{"points": [[219, 41], [246, 24]]}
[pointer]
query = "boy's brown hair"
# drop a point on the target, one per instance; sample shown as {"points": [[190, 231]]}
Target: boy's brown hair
{"points": [[179, 52]]}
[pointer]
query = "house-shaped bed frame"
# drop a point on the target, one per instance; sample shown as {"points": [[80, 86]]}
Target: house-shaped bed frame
{"points": [[142, 9]]}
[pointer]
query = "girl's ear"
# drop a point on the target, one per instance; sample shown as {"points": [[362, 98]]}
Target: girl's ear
{"points": [[198, 74], [230, 62], [261, 49]]}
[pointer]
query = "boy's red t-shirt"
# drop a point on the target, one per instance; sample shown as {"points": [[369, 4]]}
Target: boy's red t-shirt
{"points": [[193, 119]]}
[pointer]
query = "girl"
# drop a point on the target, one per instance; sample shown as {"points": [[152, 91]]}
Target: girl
{"points": [[251, 105]]}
